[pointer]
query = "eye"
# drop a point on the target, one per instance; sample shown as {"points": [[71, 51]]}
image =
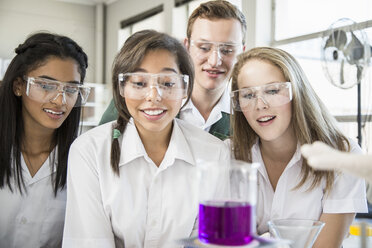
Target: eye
{"points": [[248, 95], [226, 50], [205, 47], [47, 86], [138, 84], [167, 84], [71, 89], [272, 91]]}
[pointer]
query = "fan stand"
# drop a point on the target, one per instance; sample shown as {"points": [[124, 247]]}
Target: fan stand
{"points": [[359, 106], [359, 115]]}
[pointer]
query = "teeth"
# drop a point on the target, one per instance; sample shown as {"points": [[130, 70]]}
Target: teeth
{"points": [[153, 112], [213, 72], [53, 112], [263, 119]]}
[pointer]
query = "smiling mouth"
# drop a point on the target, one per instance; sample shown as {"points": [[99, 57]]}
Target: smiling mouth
{"points": [[154, 112], [53, 112], [214, 72], [266, 119]]}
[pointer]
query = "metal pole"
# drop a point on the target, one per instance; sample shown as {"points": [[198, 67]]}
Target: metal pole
{"points": [[359, 116], [363, 234]]}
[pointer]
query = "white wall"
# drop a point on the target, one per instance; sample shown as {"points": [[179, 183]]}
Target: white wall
{"points": [[259, 22], [122, 10], [258, 30], [19, 18]]}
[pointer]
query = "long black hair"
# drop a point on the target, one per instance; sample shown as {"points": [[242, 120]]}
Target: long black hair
{"points": [[129, 58], [30, 55]]}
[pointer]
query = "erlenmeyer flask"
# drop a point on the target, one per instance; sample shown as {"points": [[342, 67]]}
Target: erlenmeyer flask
{"points": [[301, 232]]}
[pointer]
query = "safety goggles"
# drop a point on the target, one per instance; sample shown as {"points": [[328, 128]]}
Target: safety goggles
{"points": [[272, 95], [46, 90], [139, 85], [204, 49]]}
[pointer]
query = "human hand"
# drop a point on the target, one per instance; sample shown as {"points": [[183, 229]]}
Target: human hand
{"points": [[323, 157]]}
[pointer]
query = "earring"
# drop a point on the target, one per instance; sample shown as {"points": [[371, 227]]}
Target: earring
{"points": [[18, 93]]}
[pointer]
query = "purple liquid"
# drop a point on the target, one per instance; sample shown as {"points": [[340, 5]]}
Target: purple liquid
{"points": [[225, 223]]}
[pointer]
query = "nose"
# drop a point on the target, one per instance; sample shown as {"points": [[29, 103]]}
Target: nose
{"points": [[154, 94], [59, 100], [215, 58], [261, 103]]}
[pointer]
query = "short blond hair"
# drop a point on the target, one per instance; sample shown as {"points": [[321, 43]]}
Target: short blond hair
{"points": [[219, 9]]}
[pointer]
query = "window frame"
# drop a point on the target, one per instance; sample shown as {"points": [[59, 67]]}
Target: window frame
{"points": [[353, 119]]}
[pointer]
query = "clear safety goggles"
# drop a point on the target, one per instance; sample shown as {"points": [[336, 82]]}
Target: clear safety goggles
{"points": [[204, 49], [139, 85], [46, 90], [272, 95]]}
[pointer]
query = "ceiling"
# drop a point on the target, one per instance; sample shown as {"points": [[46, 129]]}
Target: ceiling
{"points": [[88, 2]]}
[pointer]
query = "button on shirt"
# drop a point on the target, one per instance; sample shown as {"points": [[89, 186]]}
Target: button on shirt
{"points": [[34, 219], [191, 114], [347, 196], [147, 206]]}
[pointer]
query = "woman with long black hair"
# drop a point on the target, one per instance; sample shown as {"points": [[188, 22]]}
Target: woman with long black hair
{"points": [[40, 99]]}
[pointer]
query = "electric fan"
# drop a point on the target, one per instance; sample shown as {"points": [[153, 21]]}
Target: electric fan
{"points": [[345, 55]]}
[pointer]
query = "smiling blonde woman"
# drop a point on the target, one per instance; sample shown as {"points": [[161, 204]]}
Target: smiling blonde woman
{"points": [[276, 111]]}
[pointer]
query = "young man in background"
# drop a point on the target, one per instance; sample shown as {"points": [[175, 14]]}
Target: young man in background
{"points": [[215, 36]]}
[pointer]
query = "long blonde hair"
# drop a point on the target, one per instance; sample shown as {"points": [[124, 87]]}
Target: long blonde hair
{"points": [[311, 120]]}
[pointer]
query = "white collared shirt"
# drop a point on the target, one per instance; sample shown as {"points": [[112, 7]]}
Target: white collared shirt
{"points": [[34, 219], [147, 206], [347, 196], [191, 114]]}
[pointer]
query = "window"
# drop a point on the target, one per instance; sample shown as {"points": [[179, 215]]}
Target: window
{"points": [[299, 17], [151, 19], [154, 19], [298, 29], [4, 63]]}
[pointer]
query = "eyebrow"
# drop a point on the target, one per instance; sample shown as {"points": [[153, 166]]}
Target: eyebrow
{"points": [[169, 69], [275, 82], [222, 42], [165, 69], [51, 78]]}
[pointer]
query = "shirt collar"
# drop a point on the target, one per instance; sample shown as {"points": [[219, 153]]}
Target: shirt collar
{"points": [[131, 144], [45, 170], [256, 157], [178, 148], [133, 148], [296, 157], [188, 106], [224, 102], [223, 105]]}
